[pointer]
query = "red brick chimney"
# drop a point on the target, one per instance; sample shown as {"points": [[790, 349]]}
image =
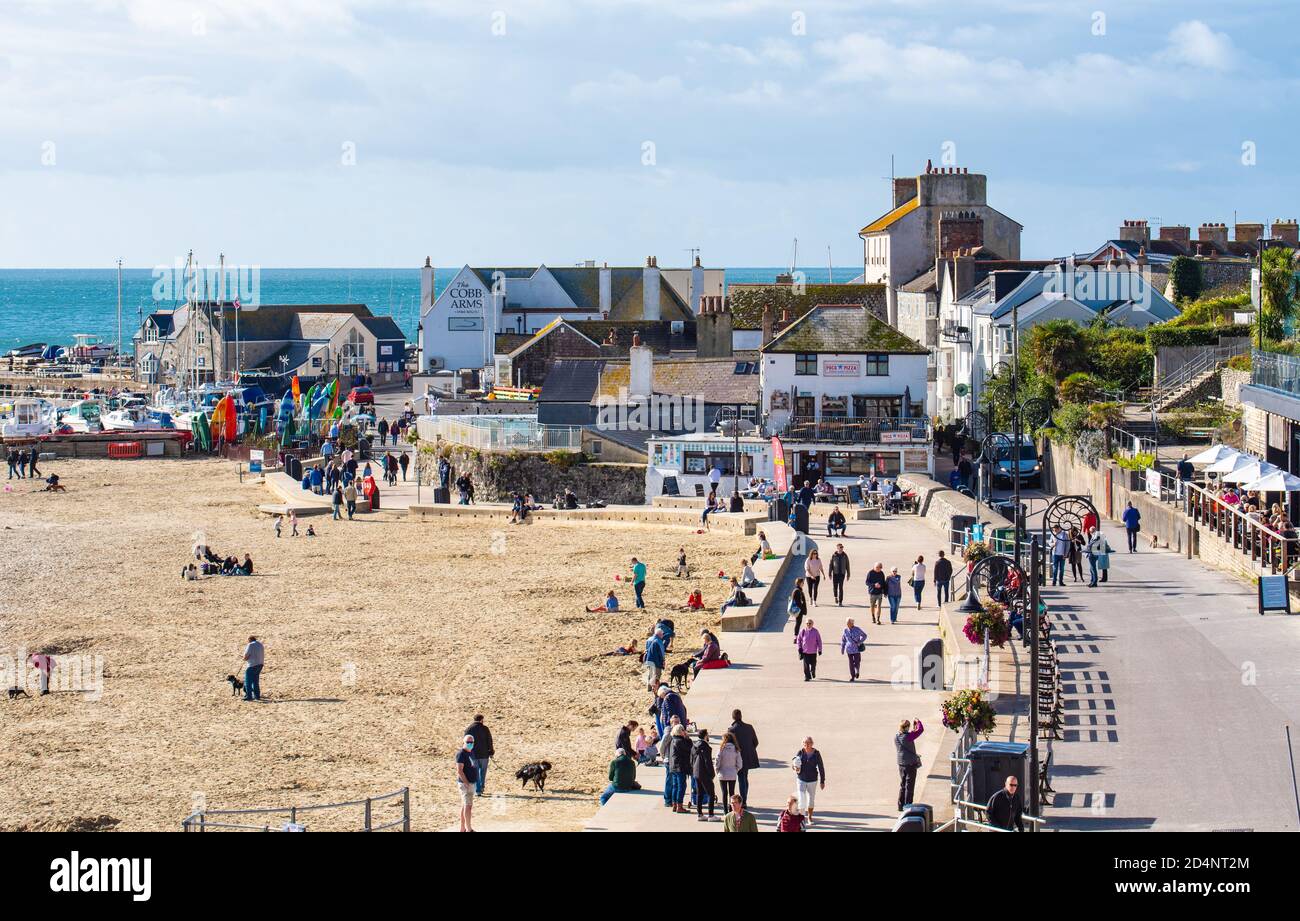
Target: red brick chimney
{"points": [[1136, 231], [1177, 233], [1213, 233], [959, 230], [1248, 233], [1287, 230]]}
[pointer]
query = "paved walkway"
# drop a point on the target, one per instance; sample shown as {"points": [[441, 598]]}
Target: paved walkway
{"points": [[1177, 698], [852, 724]]}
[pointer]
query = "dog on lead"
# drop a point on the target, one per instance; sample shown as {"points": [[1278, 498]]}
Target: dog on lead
{"points": [[235, 685], [15, 692], [680, 675], [536, 772]]}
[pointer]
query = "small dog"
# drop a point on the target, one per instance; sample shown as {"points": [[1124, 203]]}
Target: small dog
{"points": [[235, 685], [535, 771], [1155, 541], [680, 675], [16, 692]]}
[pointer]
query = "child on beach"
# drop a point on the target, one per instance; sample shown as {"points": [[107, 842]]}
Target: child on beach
{"points": [[293, 523], [681, 563], [610, 604], [694, 601], [279, 524]]}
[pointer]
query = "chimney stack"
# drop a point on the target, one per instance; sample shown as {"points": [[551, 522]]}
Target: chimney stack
{"points": [[769, 319], [640, 368], [697, 285], [1136, 232], [650, 290], [1177, 233], [1248, 233], [1287, 230], [904, 189], [426, 287], [959, 231], [1213, 233]]}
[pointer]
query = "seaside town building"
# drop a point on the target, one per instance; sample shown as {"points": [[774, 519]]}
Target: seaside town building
{"points": [[458, 327], [204, 343]]}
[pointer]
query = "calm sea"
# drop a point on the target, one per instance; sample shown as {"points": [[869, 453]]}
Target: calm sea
{"points": [[49, 305]]}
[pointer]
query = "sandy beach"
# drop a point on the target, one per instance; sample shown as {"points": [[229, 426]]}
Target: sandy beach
{"points": [[383, 638]]}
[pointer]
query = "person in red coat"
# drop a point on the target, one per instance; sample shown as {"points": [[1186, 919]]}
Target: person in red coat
{"points": [[791, 819]]}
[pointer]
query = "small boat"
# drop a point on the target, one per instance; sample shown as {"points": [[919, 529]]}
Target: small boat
{"points": [[86, 347], [137, 419], [82, 416], [28, 418], [35, 350]]}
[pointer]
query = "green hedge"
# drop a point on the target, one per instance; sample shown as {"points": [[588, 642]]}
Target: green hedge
{"points": [[1207, 334]]}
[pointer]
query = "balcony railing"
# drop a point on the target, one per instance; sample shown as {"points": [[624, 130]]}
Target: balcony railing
{"points": [[501, 433], [1276, 372], [912, 430], [951, 332], [1273, 550]]}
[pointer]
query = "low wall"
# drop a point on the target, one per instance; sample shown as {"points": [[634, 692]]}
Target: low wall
{"points": [[627, 514], [1231, 382], [819, 510], [939, 504], [778, 576], [1111, 487], [498, 475]]}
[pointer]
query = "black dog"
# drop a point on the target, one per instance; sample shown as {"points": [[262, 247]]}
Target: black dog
{"points": [[16, 692], [680, 674], [535, 771], [235, 685]]}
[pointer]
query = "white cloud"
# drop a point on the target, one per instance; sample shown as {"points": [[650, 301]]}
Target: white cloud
{"points": [[1196, 44], [621, 86]]}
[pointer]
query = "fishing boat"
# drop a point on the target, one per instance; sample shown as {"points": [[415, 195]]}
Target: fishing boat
{"points": [[28, 418], [86, 347], [82, 416], [137, 419]]}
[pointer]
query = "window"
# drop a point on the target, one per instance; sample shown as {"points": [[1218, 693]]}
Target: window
{"points": [[876, 364], [932, 310], [865, 407], [201, 336], [805, 363], [596, 445], [700, 464], [151, 333]]}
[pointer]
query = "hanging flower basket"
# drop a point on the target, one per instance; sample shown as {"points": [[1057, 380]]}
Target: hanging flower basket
{"points": [[994, 619], [975, 551], [969, 708]]}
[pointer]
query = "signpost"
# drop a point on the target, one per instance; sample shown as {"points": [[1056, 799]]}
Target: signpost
{"points": [[1273, 595], [255, 459]]}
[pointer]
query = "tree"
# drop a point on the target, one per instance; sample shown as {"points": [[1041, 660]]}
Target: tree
{"points": [[1277, 288], [997, 392], [1185, 276], [1058, 348], [1080, 387]]}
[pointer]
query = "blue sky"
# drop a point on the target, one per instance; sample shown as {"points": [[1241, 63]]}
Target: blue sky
{"points": [[517, 130]]}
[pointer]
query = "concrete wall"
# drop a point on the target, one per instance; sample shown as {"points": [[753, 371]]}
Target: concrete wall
{"points": [[1231, 382], [497, 476]]}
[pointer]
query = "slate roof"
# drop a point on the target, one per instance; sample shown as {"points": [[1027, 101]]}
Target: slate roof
{"points": [[164, 321], [296, 352], [385, 328], [924, 283], [582, 285], [315, 326], [713, 379], [844, 330], [636, 439], [276, 321], [571, 380], [659, 335], [555, 325]]}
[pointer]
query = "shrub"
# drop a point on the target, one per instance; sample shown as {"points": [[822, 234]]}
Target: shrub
{"points": [[1140, 461], [1079, 387], [564, 459], [1168, 334], [1185, 276], [1058, 348], [1123, 359], [1102, 415], [1090, 447], [1070, 419], [1240, 362]]}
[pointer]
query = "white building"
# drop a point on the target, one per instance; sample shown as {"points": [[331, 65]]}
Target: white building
{"points": [[457, 328]]}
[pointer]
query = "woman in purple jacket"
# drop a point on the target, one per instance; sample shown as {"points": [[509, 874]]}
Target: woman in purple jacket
{"points": [[810, 647], [851, 642]]}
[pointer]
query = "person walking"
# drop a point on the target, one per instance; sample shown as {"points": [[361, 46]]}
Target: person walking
{"points": [[254, 659], [1103, 557], [622, 776], [350, 498], [738, 819], [810, 776], [791, 819], [894, 592], [483, 750], [653, 658], [702, 774], [32, 457], [404, 461], [383, 431], [747, 741], [917, 580], [942, 579], [1094, 546], [466, 778], [1005, 807], [1132, 524], [11, 459], [728, 764], [876, 590], [336, 502], [1060, 553], [839, 569], [798, 607], [678, 766], [812, 570], [638, 581], [853, 642], [810, 647], [908, 760], [1185, 473]]}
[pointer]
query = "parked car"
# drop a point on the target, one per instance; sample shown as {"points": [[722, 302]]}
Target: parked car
{"points": [[361, 396]]}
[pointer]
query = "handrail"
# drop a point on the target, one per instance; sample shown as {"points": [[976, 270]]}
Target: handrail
{"points": [[1244, 533], [1207, 359]]}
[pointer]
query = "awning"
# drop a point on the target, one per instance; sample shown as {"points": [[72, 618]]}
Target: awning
{"points": [[1213, 455], [1277, 481], [1251, 472]]}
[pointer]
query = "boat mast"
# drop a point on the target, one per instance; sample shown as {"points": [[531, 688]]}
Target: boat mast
{"points": [[119, 310]]}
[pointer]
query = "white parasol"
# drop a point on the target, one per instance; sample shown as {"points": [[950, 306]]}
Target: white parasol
{"points": [[1253, 471], [1213, 455], [1277, 481]]}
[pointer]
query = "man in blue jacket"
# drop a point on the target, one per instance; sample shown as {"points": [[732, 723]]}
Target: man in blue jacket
{"points": [[670, 705], [654, 660], [1132, 522]]}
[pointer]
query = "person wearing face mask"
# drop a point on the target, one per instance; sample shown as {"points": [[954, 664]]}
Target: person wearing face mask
{"points": [[466, 778]]}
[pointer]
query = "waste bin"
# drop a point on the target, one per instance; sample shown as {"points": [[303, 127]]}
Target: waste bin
{"points": [[442, 495], [991, 763], [801, 518], [778, 509], [915, 817], [737, 504]]}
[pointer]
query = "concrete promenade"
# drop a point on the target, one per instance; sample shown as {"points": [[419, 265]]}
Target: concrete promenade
{"points": [[852, 724]]}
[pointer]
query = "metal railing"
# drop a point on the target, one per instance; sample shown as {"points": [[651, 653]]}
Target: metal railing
{"points": [[1266, 547], [849, 430], [200, 819], [1180, 381], [1121, 439], [951, 332], [1275, 371], [500, 433]]}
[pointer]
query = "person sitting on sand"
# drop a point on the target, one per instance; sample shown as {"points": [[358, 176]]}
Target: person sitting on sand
{"points": [[52, 484], [609, 604], [247, 565], [311, 531], [570, 498], [694, 601], [519, 510], [628, 650], [747, 577], [190, 573], [228, 565]]}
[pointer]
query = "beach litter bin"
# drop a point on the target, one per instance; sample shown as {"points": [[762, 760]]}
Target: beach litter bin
{"points": [[915, 817]]}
